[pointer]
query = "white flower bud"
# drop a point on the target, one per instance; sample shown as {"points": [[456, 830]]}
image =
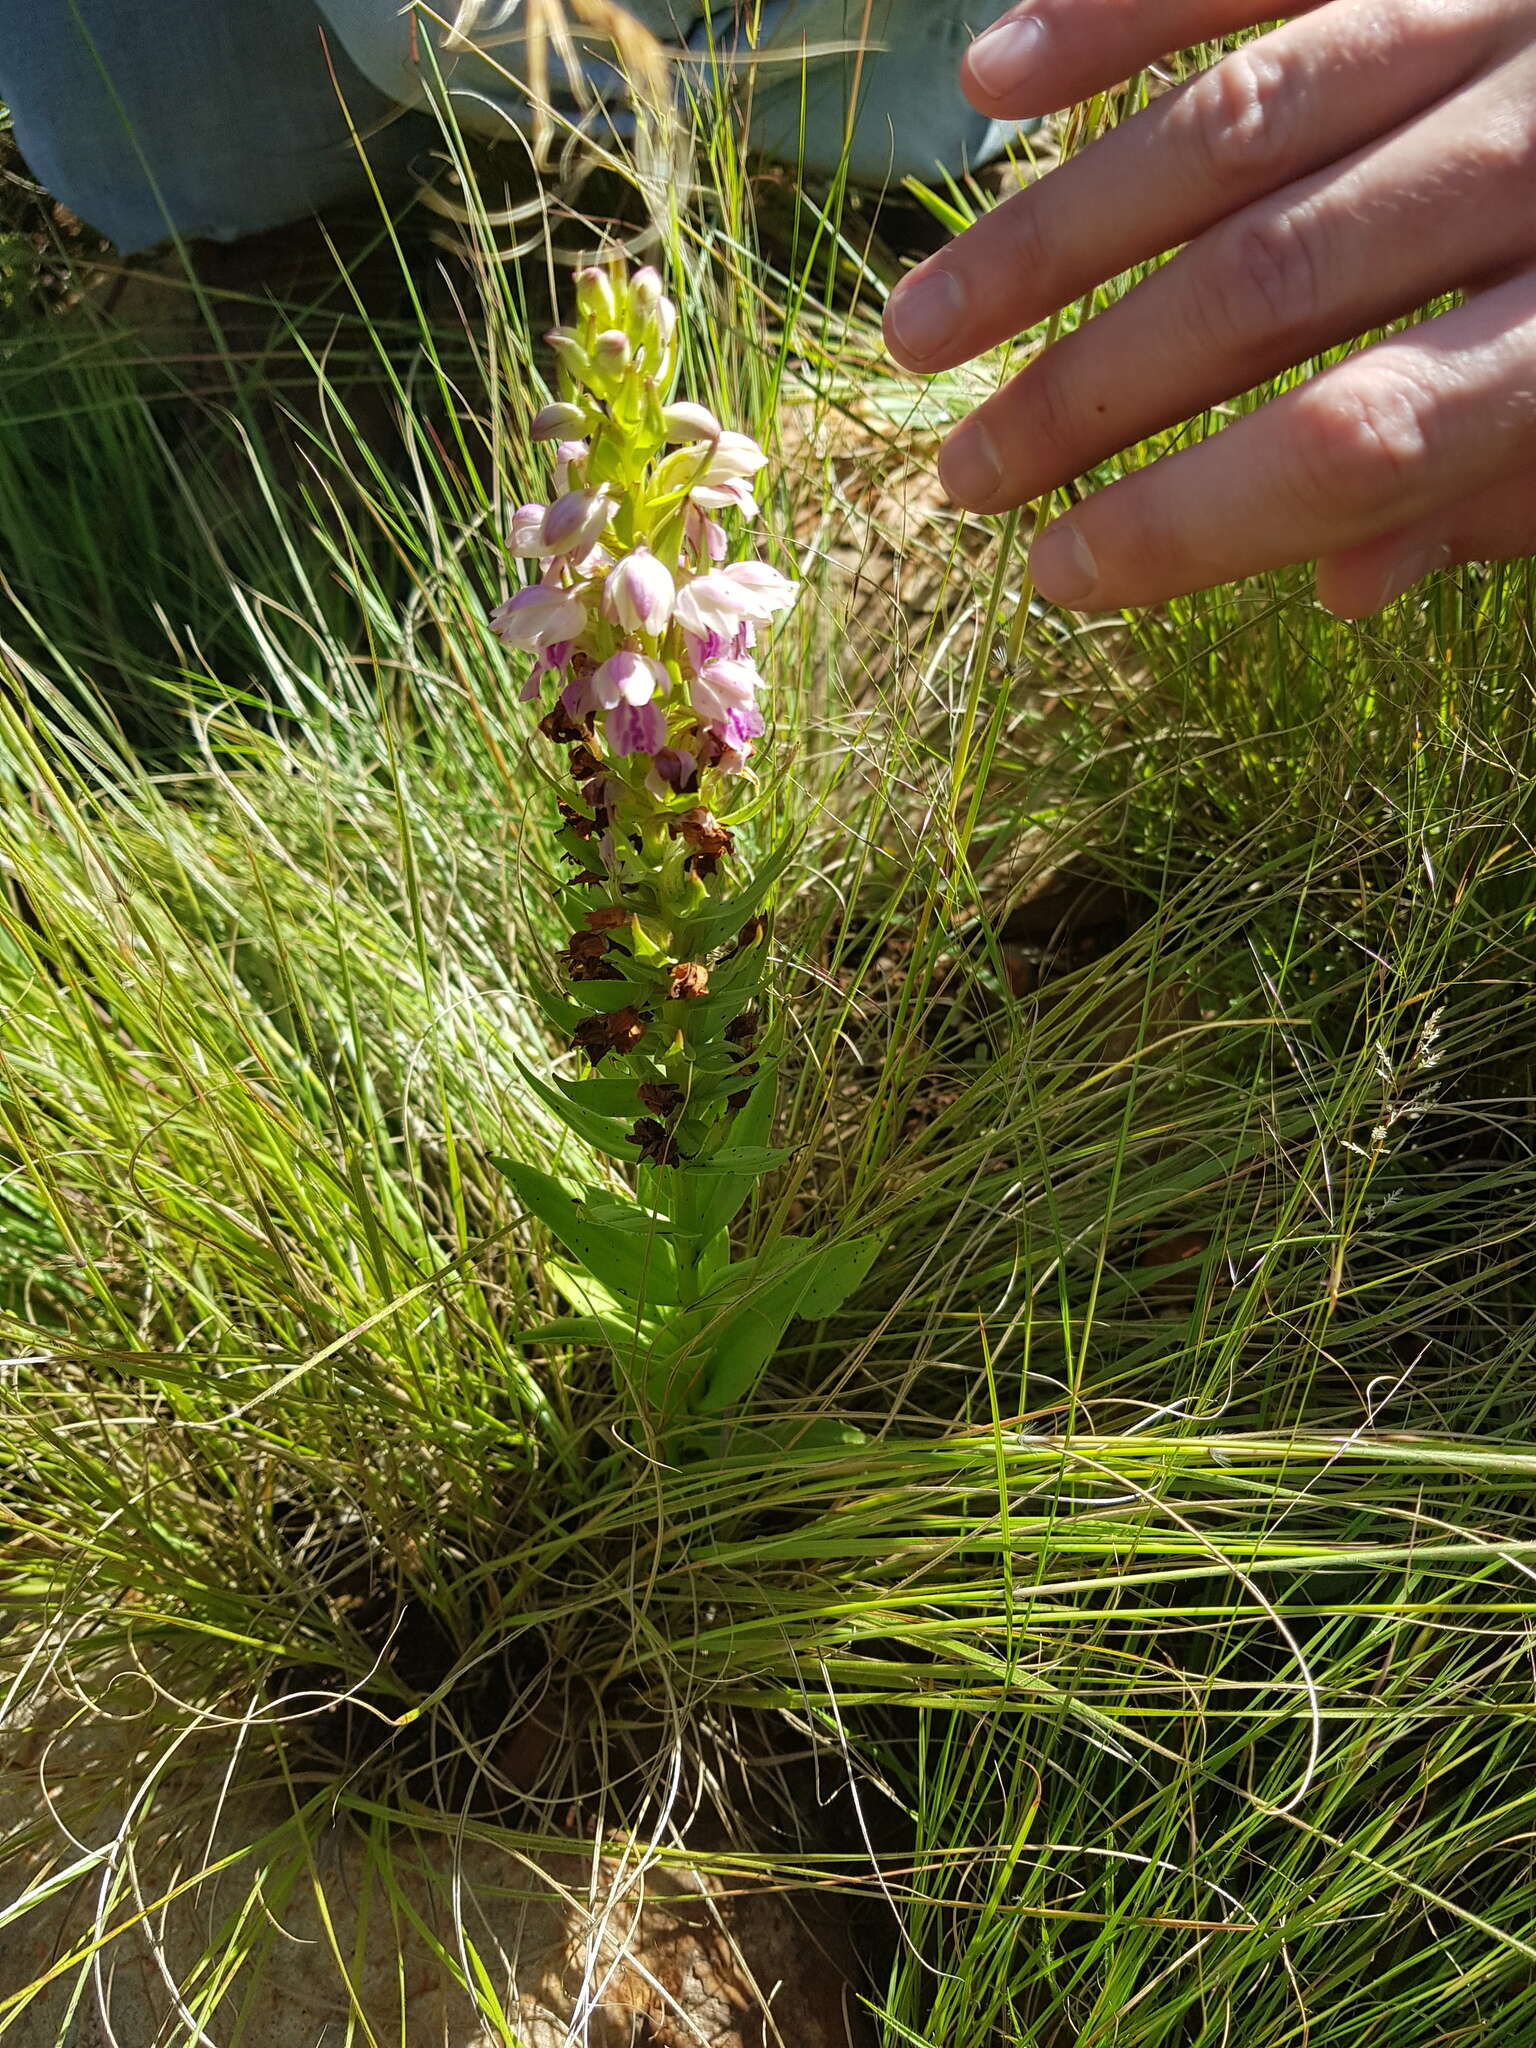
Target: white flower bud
{"points": [[611, 353], [557, 422], [645, 291], [575, 523], [687, 423], [596, 299]]}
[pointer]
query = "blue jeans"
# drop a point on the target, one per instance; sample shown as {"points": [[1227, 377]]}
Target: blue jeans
{"points": [[223, 117]]}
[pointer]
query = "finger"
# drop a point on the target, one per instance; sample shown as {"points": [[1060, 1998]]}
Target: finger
{"points": [[1049, 54], [1382, 443], [1272, 112], [1496, 524], [1346, 250]]}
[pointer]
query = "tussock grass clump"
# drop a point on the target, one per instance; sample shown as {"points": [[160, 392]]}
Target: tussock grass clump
{"points": [[1150, 1648]]}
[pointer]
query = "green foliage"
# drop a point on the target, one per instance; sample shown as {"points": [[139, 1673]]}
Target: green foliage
{"points": [[1131, 1521]]}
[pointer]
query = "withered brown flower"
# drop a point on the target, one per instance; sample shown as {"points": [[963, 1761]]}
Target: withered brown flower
{"points": [[689, 980], [619, 1033], [656, 1142]]}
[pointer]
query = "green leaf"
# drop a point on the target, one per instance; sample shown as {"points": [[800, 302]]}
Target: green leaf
{"points": [[702, 934], [603, 1096], [838, 1269], [561, 1016], [620, 1320], [633, 1265], [750, 1134], [710, 1087], [700, 1017], [747, 1160], [602, 998], [618, 1214], [566, 1330], [815, 1285], [603, 1133]]}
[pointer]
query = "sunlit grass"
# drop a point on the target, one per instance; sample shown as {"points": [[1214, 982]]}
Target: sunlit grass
{"points": [[1171, 1624]]}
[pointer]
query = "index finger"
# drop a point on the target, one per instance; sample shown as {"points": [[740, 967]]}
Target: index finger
{"points": [[1269, 113], [1050, 54]]}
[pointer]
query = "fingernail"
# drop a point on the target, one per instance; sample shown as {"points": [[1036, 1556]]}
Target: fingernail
{"points": [[1409, 569], [1002, 59], [1062, 565], [970, 467], [926, 311]]}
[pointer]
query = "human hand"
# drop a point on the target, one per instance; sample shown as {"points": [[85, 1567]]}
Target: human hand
{"points": [[1325, 179]]}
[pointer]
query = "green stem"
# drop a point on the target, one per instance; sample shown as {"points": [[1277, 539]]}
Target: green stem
{"points": [[687, 1245]]}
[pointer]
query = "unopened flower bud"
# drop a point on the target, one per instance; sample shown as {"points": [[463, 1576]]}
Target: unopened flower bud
{"points": [[611, 353], [527, 535], [567, 346], [645, 291], [556, 422], [596, 299], [686, 423], [638, 593], [574, 524]]}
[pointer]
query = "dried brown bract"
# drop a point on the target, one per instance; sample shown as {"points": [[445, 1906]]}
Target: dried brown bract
{"points": [[578, 821]]}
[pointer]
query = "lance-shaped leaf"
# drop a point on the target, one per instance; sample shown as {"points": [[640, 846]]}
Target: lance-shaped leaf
{"points": [[622, 1248], [815, 1284], [749, 1133]]}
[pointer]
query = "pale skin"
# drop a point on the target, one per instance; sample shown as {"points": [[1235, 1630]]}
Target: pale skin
{"points": [[1323, 180]]}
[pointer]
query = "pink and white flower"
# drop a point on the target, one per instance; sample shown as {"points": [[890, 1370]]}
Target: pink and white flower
{"points": [[535, 618], [735, 495], [724, 695], [638, 593], [718, 601], [628, 678], [636, 728], [732, 457], [705, 535]]}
